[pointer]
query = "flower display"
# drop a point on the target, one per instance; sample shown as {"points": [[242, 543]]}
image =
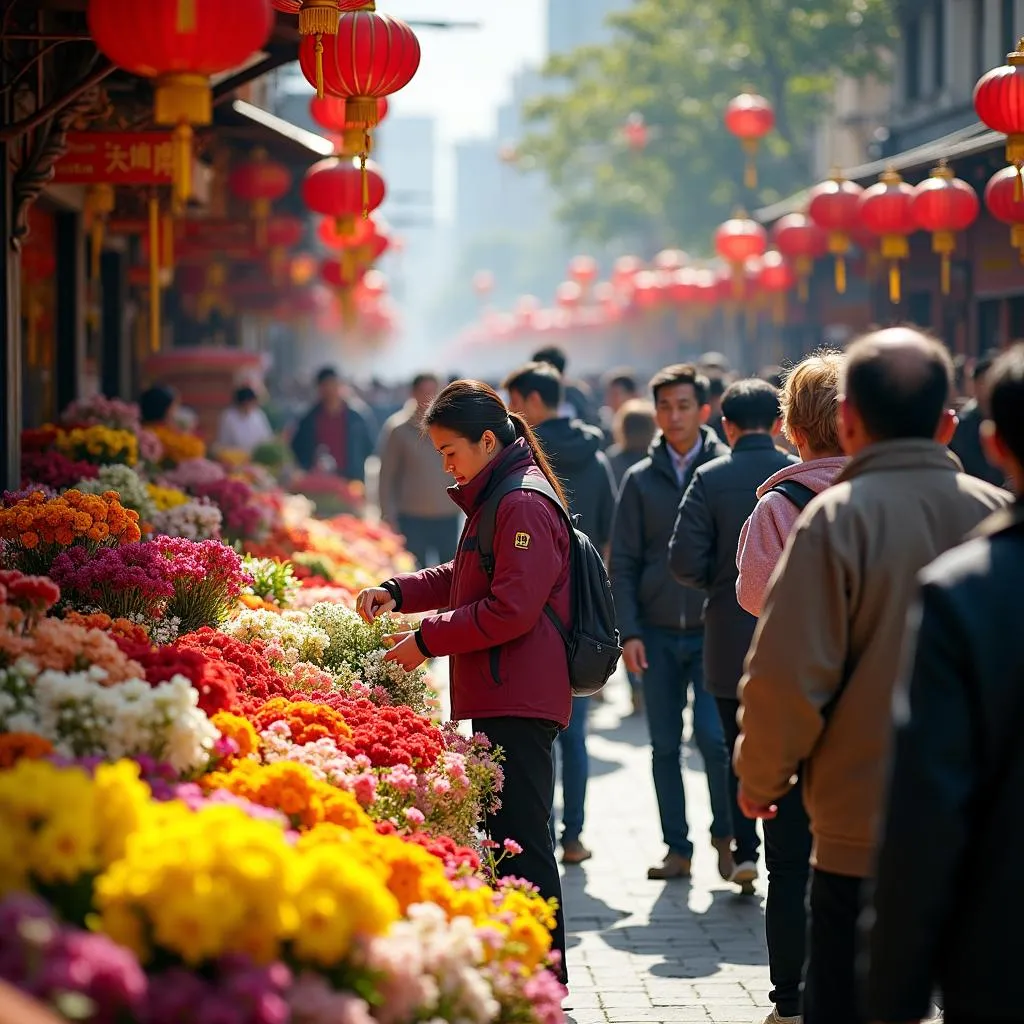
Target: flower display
{"points": [[191, 473], [273, 580], [165, 498], [98, 410], [177, 446], [126, 484], [194, 520], [207, 578], [286, 639], [211, 678], [151, 451], [37, 529], [99, 445], [243, 517], [52, 469]]}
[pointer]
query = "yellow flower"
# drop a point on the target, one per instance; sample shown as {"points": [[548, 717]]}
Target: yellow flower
{"points": [[165, 498]]}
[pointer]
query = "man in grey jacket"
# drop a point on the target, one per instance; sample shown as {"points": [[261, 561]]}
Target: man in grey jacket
{"points": [[661, 622], [702, 554]]}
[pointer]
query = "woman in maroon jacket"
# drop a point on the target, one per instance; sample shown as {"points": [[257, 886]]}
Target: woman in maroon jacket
{"points": [[509, 671]]}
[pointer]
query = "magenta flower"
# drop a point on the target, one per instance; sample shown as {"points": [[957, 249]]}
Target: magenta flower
{"points": [[512, 848]]}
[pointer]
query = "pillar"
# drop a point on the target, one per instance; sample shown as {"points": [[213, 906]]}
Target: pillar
{"points": [[70, 245], [115, 354], [10, 321]]}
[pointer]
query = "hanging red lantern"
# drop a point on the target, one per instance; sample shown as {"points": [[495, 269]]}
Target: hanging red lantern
{"points": [[738, 240], [260, 182], [624, 271], [282, 234], [943, 205], [356, 233], [568, 295], [341, 189], [671, 260], [318, 18], [331, 113], [635, 133], [372, 56], [886, 210], [777, 277], [526, 310], [683, 286], [834, 206], [750, 118], [802, 242], [1005, 205], [583, 270], [647, 289], [999, 103], [483, 283], [180, 44]]}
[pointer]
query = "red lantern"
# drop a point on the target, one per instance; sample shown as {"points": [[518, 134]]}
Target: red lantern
{"points": [[800, 240], [372, 56], [318, 18], [483, 283], [886, 210], [834, 206], [357, 233], [260, 182], [1004, 204], [527, 308], [999, 102], [330, 112], [635, 132], [625, 270], [647, 289], [749, 117], [180, 44], [285, 232], [777, 277], [568, 295], [671, 260], [738, 240], [943, 205], [583, 270], [340, 189]]}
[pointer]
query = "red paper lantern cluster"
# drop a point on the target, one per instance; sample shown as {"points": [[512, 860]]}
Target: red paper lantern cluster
{"points": [[834, 206], [260, 182], [318, 18], [944, 205], [999, 103], [331, 113], [1005, 204], [737, 241], [777, 277], [583, 270], [886, 210], [750, 118], [180, 45], [801, 242], [483, 283], [340, 189]]}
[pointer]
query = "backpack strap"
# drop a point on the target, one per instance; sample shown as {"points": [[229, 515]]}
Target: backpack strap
{"points": [[487, 522], [799, 494]]}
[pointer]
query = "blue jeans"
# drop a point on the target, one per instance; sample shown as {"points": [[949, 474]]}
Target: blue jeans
{"points": [[675, 667], [571, 752]]}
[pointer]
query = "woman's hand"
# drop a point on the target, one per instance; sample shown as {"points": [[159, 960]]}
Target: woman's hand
{"points": [[374, 601], [404, 650]]}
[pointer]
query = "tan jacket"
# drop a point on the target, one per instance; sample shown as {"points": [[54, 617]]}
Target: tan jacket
{"points": [[412, 477], [823, 664]]}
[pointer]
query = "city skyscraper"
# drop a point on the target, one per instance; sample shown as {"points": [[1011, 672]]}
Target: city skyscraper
{"points": [[573, 23]]}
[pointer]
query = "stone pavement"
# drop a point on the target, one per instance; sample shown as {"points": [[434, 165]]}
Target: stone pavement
{"points": [[642, 951]]}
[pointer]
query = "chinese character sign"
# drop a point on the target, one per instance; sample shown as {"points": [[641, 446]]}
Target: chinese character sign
{"points": [[116, 158]]}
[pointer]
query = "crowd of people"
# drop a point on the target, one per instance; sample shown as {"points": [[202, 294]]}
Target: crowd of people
{"points": [[789, 559]]}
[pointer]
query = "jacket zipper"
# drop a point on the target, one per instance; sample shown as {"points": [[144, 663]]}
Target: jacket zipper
{"points": [[495, 660]]}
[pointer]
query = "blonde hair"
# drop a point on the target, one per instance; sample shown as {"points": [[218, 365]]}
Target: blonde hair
{"points": [[809, 400], [634, 427]]}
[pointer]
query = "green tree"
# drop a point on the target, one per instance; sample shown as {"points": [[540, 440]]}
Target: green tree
{"points": [[677, 63]]}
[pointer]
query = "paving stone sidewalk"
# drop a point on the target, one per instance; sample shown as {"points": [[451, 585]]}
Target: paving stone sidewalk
{"points": [[642, 951]]}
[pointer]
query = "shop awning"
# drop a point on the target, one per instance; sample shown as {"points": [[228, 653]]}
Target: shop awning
{"points": [[965, 142], [247, 123]]}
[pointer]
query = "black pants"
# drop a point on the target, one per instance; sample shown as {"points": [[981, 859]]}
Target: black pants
{"points": [[430, 541], [526, 806], [787, 854], [831, 991], [744, 829]]}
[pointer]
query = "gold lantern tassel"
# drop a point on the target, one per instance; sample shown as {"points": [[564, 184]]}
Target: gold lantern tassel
{"points": [[154, 275], [894, 249], [182, 164], [1018, 185], [319, 51], [944, 245], [750, 171], [894, 282], [167, 242], [945, 272], [366, 181], [841, 275]]}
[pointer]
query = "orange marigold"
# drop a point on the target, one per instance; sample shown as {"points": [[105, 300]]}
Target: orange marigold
{"points": [[308, 722], [239, 729], [14, 746]]}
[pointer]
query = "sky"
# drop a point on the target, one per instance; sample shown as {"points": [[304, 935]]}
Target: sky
{"points": [[464, 74]]}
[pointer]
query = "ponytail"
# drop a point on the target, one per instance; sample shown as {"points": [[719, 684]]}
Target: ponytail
{"points": [[522, 429]]}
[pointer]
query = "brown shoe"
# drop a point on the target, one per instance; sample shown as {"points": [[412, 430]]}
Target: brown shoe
{"points": [[574, 852], [675, 865], [726, 865]]}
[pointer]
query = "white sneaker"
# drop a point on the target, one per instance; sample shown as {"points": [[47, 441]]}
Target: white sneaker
{"points": [[774, 1018]]}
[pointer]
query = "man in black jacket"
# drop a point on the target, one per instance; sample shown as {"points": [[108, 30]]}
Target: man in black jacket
{"points": [[661, 622], [574, 451], [702, 553], [958, 770], [967, 444], [338, 429]]}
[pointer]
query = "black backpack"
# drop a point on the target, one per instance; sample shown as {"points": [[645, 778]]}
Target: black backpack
{"points": [[592, 641], [800, 494]]}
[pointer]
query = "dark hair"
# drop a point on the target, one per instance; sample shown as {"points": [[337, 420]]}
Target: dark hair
{"points": [[713, 361], [243, 395], [1006, 399], [716, 385], [553, 356], [540, 378], [900, 393], [326, 374], [635, 426], [470, 408], [775, 375], [681, 373], [624, 379], [984, 363], [155, 403], [424, 378], [751, 404]]}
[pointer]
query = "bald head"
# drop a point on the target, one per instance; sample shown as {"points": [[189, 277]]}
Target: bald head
{"points": [[898, 382]]}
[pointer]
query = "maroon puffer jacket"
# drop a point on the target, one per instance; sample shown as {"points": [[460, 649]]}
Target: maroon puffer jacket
{"points": [[506, 656]]}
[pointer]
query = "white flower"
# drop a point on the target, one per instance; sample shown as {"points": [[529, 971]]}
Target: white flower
{"points": [[193, 520]]}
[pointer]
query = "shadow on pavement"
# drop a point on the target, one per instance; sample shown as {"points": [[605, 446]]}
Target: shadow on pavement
{"points": [[585, 913]]}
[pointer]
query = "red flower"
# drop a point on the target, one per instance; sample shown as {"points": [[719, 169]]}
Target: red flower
{"points": [[30, 593], [255, 681], [215, 680]]}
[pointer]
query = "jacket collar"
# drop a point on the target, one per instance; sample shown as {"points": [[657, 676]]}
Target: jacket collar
{"points": [[517, 456], [1006, 519], [897, 456], [662, 460], [754, 442]]}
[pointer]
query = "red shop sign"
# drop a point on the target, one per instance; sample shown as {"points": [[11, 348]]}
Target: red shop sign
{"points": [[116, 158]]}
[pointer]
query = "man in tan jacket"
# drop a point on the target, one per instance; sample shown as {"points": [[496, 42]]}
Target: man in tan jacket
{"points": [[821, 671], [413, 484]]}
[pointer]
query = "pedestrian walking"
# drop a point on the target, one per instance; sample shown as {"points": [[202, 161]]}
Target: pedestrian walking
{"points": [[509, 672], [413, 486], [633, 432], [958, 767], [809, 401], [579, 402], [821, 672], [574, 452], [337, 431], [966, 444], [620, 388], [661, 622], [702, 554], [244, 425]]}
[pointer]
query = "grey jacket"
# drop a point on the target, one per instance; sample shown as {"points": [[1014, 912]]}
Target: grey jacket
{"points": [[702, 551], [412, 477], [645, 593]]}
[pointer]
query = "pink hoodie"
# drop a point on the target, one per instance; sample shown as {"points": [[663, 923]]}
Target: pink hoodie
{"points": [[764, 534]]}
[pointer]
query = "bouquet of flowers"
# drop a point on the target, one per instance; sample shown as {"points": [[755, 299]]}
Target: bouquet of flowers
{"points": [[244, 517], [127, 485], [273, 580], [98, 410], [194, 520], [207, 578], [99, 445], [52, 469]]}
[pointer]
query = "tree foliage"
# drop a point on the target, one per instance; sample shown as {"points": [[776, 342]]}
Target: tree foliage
{"points": [[678, 63]]}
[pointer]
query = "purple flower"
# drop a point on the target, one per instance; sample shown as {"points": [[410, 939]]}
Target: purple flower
{"points": [[132, 579]]}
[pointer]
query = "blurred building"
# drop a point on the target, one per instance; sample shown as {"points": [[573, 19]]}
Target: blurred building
{"points": [[573, 23]]}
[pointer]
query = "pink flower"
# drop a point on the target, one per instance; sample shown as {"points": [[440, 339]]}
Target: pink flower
{"points": [[512, 848], [365, 789], [402, 777], [414, 816], [441, 786], [490, 844]]}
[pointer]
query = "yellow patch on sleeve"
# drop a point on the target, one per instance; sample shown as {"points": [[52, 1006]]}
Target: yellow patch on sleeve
{"points": [[522, 541]]}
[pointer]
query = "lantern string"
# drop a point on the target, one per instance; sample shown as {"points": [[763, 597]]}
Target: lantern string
{"points": [[366, 183], [1018, 185]]}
